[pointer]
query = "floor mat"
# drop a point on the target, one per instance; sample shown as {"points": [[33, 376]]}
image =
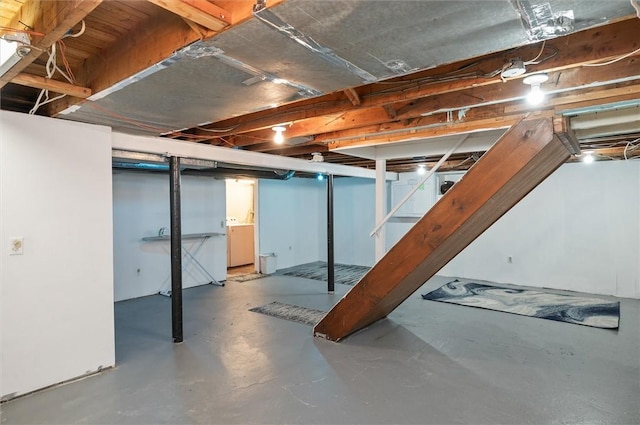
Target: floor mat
{"points": [[345, 274], [307, 316], [586, 311], [246, 277]]}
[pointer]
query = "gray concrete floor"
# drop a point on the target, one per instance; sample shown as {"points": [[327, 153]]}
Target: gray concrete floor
{"points": [[427, 363]]}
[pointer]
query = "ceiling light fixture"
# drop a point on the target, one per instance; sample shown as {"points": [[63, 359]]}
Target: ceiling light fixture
{"points": [[422, 169], [587, 157], [514, 68], [278, 137], [536, 95]]}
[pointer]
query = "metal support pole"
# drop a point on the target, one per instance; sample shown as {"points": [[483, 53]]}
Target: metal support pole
{"points": [[176, 250], [381, 206], [330, 254]]}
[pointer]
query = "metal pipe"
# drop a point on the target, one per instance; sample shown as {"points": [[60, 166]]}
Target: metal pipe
{"points": [[330, 251], [176, 250]]}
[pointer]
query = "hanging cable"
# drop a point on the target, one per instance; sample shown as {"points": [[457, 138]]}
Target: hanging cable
{"points": [[52, 66], [626, 55], [78, 34]]}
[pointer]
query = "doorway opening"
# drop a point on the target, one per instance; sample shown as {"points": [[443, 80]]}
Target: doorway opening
{"points": [[241, 239]]}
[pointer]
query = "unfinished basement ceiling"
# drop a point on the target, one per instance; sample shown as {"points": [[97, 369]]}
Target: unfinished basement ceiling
{"points": [[302, 49], [353, 80]]}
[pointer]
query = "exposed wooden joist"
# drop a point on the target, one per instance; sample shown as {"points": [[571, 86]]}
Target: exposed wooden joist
{"points": [[201, 12], [588, 46], [199, 29], [564, 101], [363, 121], [524, 157], [241, 10], [391, 111], [51, 18], [461, 101], [446, 129], [353, 96], [151, 43], [52, 85], [569, 79], [295, 151]]}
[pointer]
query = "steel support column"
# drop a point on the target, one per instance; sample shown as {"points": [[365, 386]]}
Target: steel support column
{"points": [[330, 250], [176, 250]]}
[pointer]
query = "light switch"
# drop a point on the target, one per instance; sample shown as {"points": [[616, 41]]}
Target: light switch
{"points": [[16, 245]]}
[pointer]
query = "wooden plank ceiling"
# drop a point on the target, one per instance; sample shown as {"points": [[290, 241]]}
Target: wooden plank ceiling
{"points": [[102, 42]]}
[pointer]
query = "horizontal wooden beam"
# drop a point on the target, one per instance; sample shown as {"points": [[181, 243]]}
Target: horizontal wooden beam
{"points": [[365, 121], [54, 19], [201, 12], [574, 50], [564, 101], [53, 85], [152, 42], [526, 155], [445, 129], [242, 10]]}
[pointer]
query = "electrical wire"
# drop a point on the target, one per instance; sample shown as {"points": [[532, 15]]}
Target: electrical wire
{"points": [[67, 67], [635, 145], [79, 33], [619, 58], [52, 66], [533, 61], [217, 130], [8, 29]]}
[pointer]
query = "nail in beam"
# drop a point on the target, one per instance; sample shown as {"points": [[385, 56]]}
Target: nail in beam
{"points": [[176, 250]]}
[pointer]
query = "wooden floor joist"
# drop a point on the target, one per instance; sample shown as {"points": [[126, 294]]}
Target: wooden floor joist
{"points": [[525, 155]]}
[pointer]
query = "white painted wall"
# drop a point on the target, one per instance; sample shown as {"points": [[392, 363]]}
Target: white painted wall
{"points": [[578, 231], [292, 219], [56, 318], [420, 201], [141, 208], [354, 218]]}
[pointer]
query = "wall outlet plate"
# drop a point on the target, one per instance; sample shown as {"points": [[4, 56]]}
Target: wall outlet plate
{"points": [[16, 245]]}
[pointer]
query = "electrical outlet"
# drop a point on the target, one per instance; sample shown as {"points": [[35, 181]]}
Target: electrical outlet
{"points": [[16, 245]]}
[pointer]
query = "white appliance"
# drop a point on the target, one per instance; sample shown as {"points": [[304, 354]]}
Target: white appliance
{"points": [[240, 246]]}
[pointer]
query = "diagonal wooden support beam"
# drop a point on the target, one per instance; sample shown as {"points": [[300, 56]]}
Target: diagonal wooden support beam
{"points": [[527, 154]]}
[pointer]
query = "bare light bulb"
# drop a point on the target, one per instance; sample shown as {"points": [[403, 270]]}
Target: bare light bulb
{"points": [[422, 169], [536, 95], [588, 158], [278, 138]]}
